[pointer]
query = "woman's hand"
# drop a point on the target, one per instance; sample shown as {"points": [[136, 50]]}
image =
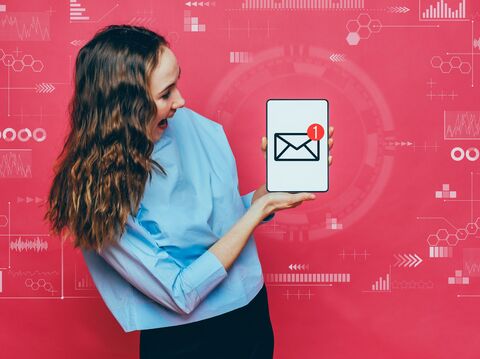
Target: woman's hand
{"points": [[277, 201]]}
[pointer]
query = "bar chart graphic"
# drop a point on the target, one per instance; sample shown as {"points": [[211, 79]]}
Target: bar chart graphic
{"points": [[382, 284], [77, 12], [240, 57], [442, 10], [83, 281], [302, 4], [440, 252]]}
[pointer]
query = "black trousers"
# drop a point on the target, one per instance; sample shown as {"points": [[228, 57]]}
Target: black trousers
{"points": [[244, 333]]}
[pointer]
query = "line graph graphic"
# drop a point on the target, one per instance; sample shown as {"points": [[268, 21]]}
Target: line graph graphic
{"points": [[461, 125], [15, 163], [25, 26]]}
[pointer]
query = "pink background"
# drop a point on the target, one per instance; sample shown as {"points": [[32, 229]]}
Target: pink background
{"points": [[390, 158]]}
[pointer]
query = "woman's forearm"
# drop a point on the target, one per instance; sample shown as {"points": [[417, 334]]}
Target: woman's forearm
{"points": [[229, 247]]}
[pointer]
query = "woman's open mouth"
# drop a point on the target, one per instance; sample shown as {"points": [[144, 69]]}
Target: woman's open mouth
{"points": [[163, 123]]}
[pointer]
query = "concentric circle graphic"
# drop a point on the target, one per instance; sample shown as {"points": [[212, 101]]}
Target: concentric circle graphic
{"points": [[358, 111]]}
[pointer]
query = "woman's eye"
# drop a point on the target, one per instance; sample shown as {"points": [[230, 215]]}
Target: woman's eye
{"points": [[167, 95]]}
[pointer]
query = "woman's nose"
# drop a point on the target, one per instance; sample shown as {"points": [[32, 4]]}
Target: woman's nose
{"points": [[179, 100]]}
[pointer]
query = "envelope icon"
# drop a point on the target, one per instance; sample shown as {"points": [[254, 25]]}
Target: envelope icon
{"points": [[295, 147]]}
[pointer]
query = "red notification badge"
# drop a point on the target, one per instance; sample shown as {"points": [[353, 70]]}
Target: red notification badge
{"points": [[315, 132]]}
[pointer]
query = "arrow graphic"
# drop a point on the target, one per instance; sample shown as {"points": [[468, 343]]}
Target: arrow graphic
{"points": [[44, 88], [298, 266], [407, 260], [337, 57], [398, 9]]}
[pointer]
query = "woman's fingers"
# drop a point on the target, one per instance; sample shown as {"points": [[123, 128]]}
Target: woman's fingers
{"points": [[330, 131], [303, 196], [330, 143]]}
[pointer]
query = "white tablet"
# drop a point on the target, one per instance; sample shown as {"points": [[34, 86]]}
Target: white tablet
{"points": [[297, 145]]}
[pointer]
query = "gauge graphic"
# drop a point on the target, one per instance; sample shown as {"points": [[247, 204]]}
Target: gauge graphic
{"points": [[358, 111]]}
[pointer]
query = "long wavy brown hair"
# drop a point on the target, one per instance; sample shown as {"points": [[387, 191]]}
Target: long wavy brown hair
{"points": [[101, 173]]}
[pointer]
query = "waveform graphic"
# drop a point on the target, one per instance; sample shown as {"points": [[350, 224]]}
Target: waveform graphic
{"points": [[15, 163], [472, 269], [471, 261], [36, 245], [476, 43], [462, 125], [25, 26]]}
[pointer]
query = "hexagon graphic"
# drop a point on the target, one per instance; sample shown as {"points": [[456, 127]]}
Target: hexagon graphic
{"points": [[17, 65], [465, 68], [452, 240], [436, 61], [353, 25], [477, 222], [27, 60], [445, 67], [471, 228], [461, 234], [364, 19], [364, 32], [375, 26], [455, 62], [2, 54], [432, 240], [8, 60], [442, 233], [353, 38], [37, 66]]}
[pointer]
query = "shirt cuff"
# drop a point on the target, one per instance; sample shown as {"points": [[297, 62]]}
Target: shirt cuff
{"points": [[204, 274], [247, 199], [269, 217], [247, 202]]}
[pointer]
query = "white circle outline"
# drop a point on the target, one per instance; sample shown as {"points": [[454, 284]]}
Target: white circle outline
{"points": [[6, 130], [27, 131], [456, 158], [39, 139], [470, 158]]}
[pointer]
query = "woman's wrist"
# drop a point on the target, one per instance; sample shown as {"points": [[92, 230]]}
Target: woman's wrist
{"points": [[260, 208]]}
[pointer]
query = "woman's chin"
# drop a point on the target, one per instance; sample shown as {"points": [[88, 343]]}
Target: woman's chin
{"points": [[156, 134]]}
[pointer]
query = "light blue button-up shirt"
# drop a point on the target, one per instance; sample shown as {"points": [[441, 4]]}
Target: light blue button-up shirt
{"points": [[160, 272]]}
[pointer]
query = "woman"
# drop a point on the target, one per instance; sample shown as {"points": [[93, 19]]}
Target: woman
{"points": [[173, 257]]}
